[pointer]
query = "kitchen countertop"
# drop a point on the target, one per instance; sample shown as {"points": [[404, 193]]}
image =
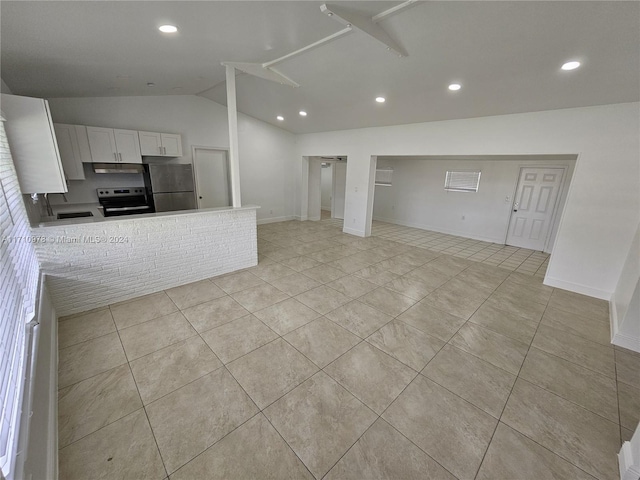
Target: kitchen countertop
{"points": [[99, 217]]}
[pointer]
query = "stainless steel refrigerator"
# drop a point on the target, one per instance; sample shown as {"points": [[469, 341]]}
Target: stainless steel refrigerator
{"points": [[171, 187]]}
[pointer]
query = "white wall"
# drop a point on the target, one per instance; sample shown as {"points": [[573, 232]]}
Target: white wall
{"points": [[417, 196], [339, 191], [315, 178], [84, 191], [326, 187], [4, 88], [601, 213], [19, 276], [266, 152], [625, 302]]}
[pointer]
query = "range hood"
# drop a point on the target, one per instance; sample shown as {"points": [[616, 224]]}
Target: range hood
{"points": [[118, 168]]}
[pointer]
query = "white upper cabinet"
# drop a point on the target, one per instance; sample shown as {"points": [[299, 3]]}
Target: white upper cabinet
{"points": [[128, 146], [114, 146], [102, 143], [172, 144], [150, 143], [73, 145], [160, 144], [33, 145]]}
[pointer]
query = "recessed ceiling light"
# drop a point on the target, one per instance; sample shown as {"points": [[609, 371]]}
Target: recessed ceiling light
{"points": [[302, 113], [455, 86], [151, 84], [280, 117], [380, 99], [570, 65], [168, 28]]}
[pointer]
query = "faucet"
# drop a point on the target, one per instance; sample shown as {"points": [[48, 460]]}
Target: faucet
{"points": [[48, 205]]}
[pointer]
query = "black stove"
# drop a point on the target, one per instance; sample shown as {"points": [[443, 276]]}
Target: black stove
{"points": [[124, 201]]}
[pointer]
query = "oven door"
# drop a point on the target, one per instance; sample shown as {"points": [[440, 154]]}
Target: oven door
{"points": [[130, 210]]}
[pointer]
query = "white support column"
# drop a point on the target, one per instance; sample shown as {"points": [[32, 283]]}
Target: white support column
{"points": [[232, 114], [304, 190], [370, 195]]}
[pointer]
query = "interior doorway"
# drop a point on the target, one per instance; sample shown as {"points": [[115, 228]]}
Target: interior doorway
{"points": [[534, 207], [211, 169], [327, 187]]}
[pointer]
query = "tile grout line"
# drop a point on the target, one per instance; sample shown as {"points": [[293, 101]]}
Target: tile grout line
{"points": [[509, 396], [393, 318], [155, 440]]}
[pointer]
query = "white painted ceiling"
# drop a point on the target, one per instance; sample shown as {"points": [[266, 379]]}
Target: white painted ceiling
{"points": [[505, 54]]}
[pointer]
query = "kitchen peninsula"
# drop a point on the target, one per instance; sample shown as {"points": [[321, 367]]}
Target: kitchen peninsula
{"points": [[95, 261]]}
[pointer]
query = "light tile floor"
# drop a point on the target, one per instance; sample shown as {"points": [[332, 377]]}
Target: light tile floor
{"points": [[346, 358]]}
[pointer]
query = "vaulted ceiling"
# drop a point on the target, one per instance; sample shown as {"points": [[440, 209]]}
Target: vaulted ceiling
{"points": [[506, 56]]}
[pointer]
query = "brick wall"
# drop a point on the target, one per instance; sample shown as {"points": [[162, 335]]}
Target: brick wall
{"points": [[90, 265], [19, 274]]}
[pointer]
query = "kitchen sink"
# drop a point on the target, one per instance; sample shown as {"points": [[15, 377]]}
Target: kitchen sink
{"points": [[62, 216]]}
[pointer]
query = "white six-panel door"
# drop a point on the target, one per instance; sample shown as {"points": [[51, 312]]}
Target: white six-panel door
{"points": [[534, 206]]}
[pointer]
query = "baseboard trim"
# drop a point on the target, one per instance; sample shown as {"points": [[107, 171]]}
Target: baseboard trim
{"points": [[499, 241], [263, 221], [628, 463], [353, 231], [626, 341], [578, 288]]}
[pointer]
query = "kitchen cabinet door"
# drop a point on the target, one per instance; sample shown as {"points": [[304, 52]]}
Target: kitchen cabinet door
{"points": [[83, 143], [128, 146], [171, 144], [32, 141], [69, 149], [150, 144], [102, 143]]}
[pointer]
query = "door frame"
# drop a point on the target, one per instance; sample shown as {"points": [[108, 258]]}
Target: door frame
{"points": [[195, 169], [554, 214]]}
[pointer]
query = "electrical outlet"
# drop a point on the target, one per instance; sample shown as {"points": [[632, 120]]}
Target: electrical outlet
{"points": [[463, 217], [356, 189], [270, 211], [354, 220]]}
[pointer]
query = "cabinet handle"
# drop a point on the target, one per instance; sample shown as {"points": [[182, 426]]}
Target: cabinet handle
{"points": [[164, 150], [120, 155], [115, 155]]}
